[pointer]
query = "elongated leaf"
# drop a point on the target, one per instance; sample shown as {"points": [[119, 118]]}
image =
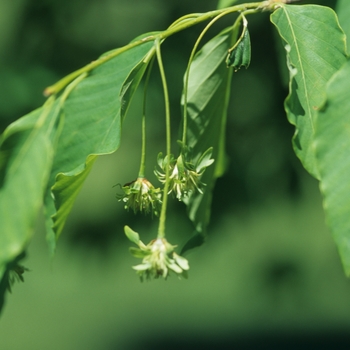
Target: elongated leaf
{"points": [[208, 91], [92, 127], [343, 12], [26, 155], [332, 145], [315, 51]]}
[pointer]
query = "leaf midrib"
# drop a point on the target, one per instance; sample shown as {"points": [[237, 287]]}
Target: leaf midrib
{"points": [[301, 67]]}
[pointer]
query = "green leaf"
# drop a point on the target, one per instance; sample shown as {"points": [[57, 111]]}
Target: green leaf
{"points": [[65, 190], [343, 11], [132, 82], [315, 51], [26, 154], [92, 127], [208, 91], [332, 143], [196, 240]]}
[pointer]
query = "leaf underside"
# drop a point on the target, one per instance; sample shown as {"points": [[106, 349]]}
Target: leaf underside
{"points": [[92, 127], [208, 90]]}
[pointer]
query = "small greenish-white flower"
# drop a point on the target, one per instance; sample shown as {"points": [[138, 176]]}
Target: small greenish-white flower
{"points": [[158, 257], [185, 175], [140, 195]]}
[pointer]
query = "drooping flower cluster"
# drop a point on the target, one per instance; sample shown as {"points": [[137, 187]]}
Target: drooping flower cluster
{"points": [[181, 176], [158, 257], [185, 175], [140, 195]]}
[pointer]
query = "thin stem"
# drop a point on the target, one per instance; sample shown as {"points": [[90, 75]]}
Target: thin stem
{"points": [[143, 147], [143, 125], [184, 131], [162, 218], [187, 74], [182, 23]]}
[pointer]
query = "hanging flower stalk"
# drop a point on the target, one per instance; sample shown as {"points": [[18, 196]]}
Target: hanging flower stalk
{"points": [[140, 195], [185, 171], [158, 257]]}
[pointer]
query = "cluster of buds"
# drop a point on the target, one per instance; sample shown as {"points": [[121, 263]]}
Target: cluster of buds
{"points": [[141, 196], [158, 257], [185, 175]]}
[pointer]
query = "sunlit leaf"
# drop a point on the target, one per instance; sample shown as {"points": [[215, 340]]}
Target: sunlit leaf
{"points": [[208, 90], [315, 46], [92, 127], [332, 145]]}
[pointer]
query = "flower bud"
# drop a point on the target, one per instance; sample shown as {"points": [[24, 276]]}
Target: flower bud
{"points": [[240, 54]]}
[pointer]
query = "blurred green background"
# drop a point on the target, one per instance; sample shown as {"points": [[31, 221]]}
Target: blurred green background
{"points": [[268, 277]]}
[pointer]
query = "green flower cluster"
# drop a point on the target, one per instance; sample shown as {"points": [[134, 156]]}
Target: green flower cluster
{"points": [[140, 195], [158, 257], [181, 176], [185, 175]]}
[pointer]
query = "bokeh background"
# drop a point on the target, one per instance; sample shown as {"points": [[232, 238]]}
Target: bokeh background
{"points": [[268, 277]]}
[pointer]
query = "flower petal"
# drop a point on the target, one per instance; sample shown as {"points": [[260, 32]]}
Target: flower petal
{"points": [[132, 235], [138, 253], [176, 268], [181, 261], [142, 267]]}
